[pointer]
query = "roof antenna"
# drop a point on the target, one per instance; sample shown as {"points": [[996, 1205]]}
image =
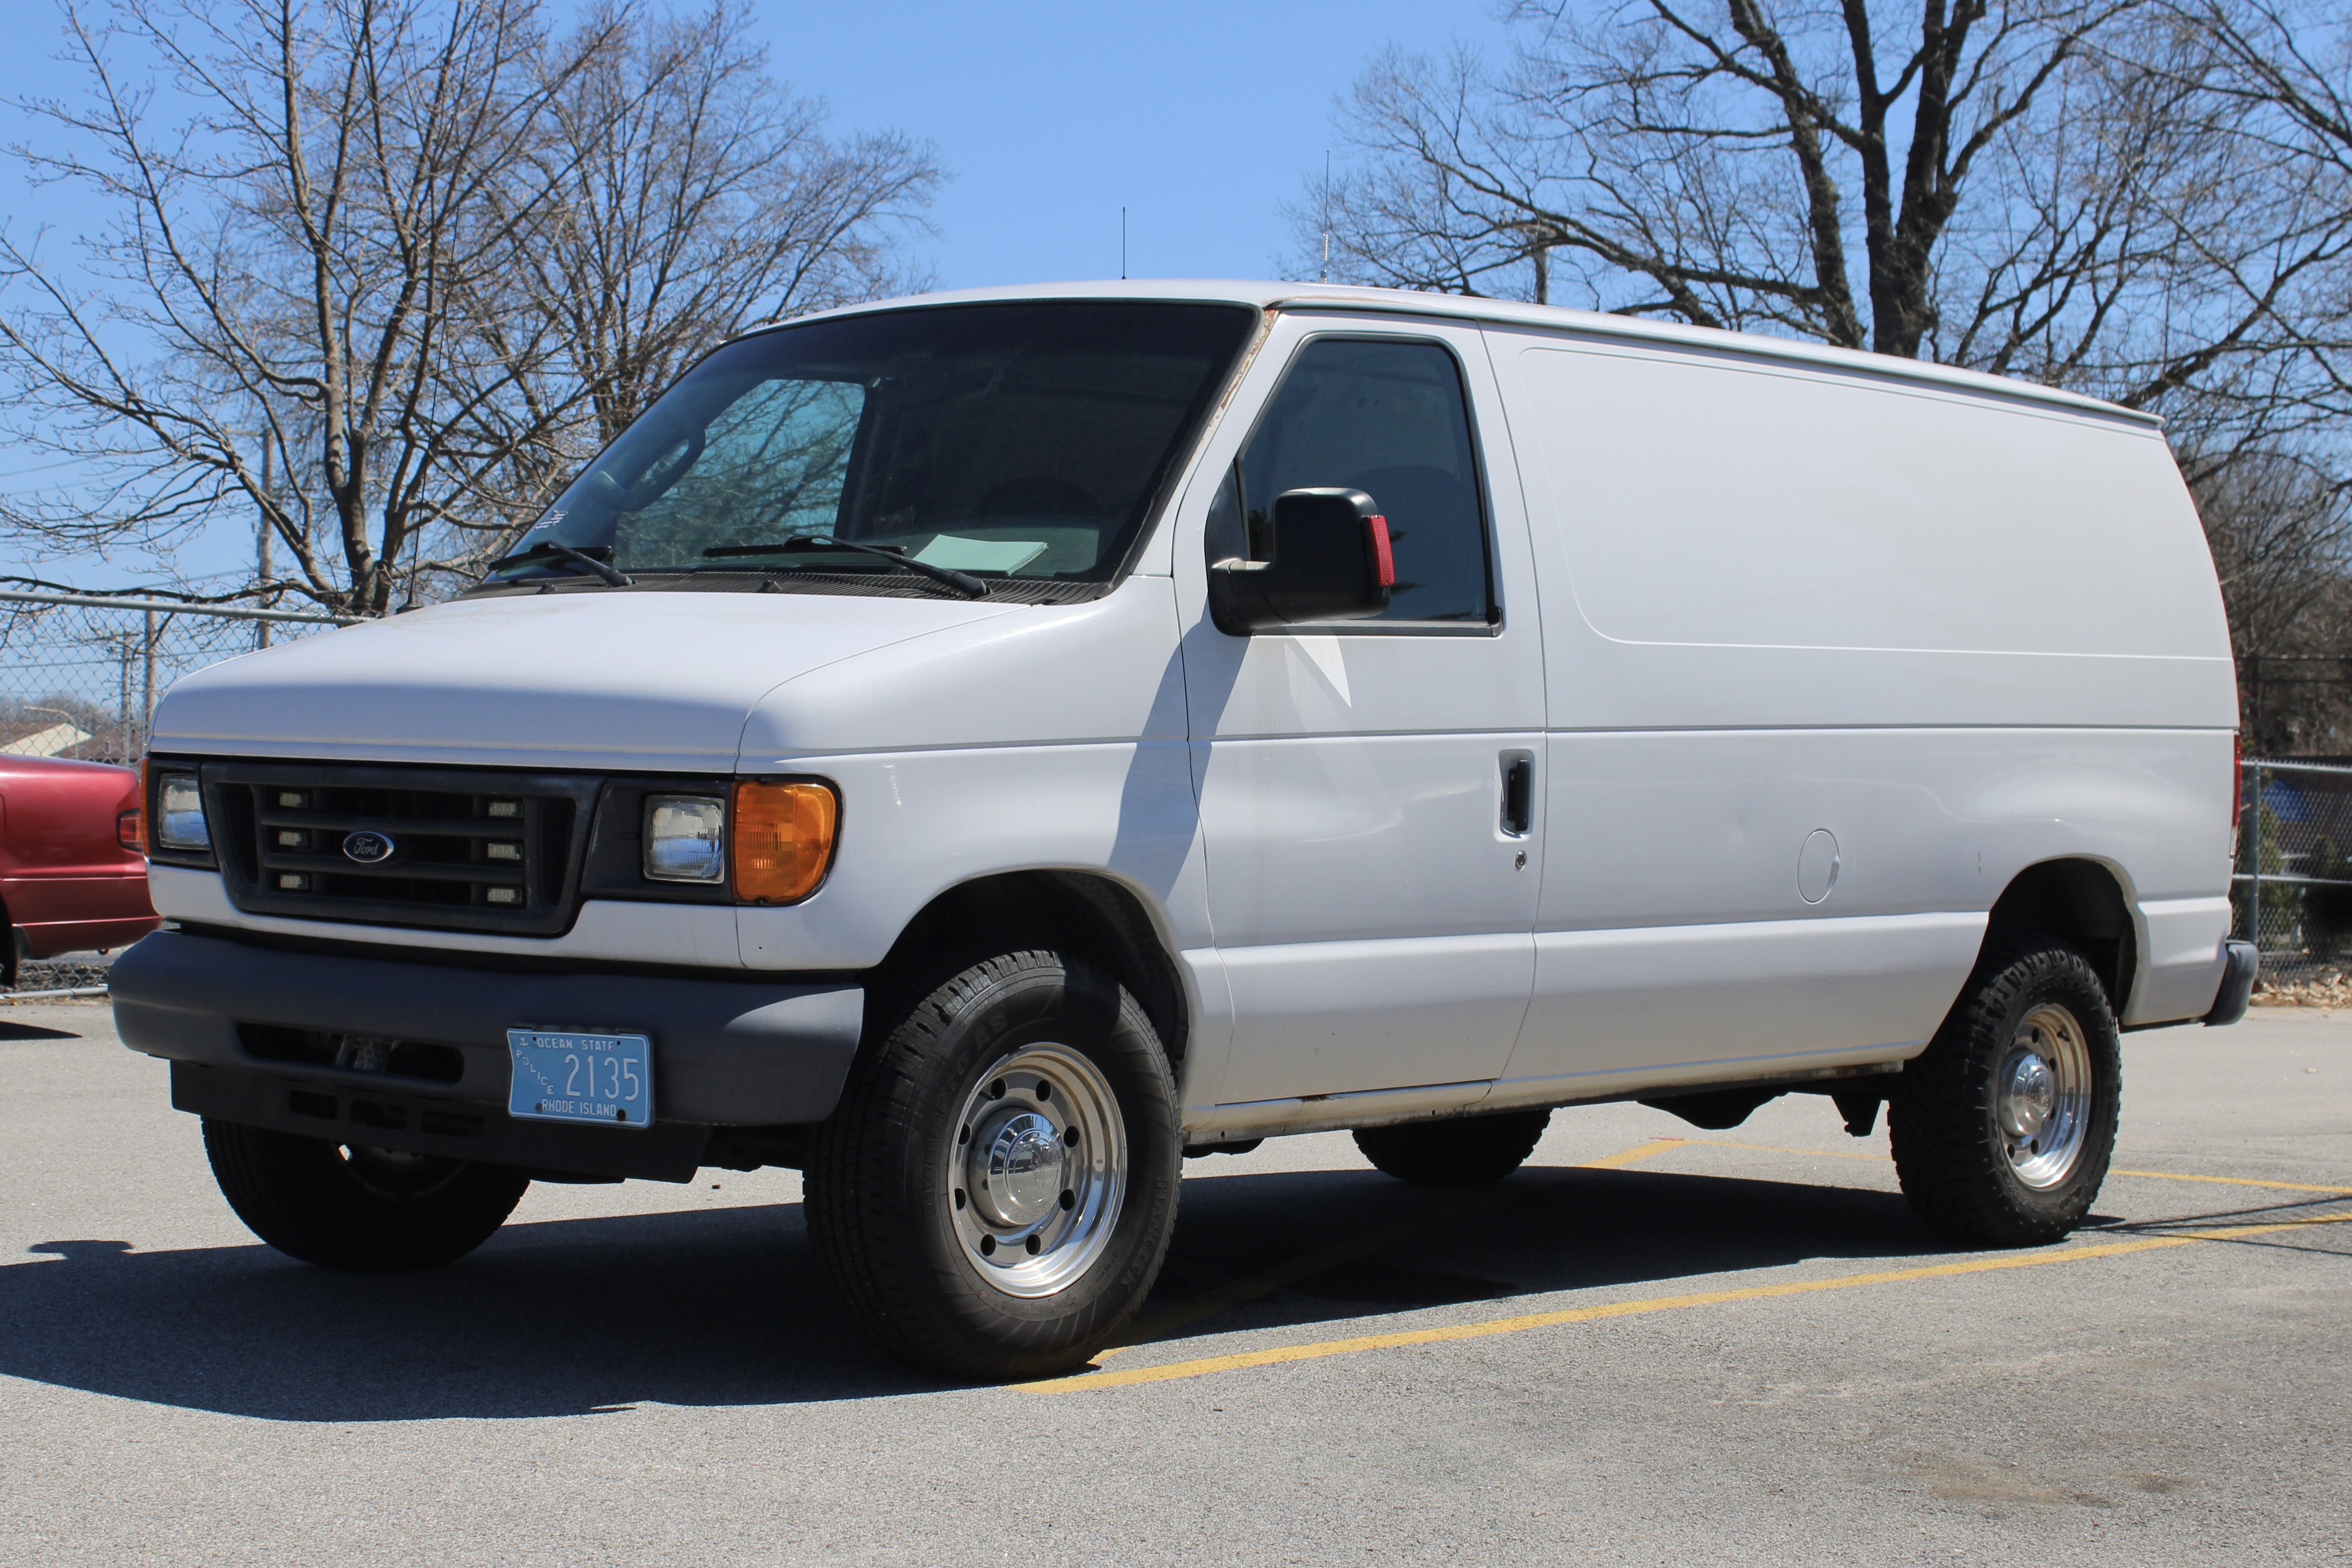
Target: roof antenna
{"points": [[1122, 245]]}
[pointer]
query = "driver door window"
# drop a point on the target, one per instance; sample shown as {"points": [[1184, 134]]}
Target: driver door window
{"points": [[1386, 417]]}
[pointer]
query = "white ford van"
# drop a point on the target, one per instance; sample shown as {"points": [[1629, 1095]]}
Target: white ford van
{"points": [[984, 748]]}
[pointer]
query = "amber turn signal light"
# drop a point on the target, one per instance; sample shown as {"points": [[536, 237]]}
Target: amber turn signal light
{"points": [[130, 827], [781, 840]]}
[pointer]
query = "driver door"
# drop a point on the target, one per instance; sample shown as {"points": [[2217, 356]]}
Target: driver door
{"points": [[1371, 897]]}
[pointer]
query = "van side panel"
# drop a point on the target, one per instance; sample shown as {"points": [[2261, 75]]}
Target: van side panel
{"points": [[1752, 545], [1797, 510], [1950, 634]]}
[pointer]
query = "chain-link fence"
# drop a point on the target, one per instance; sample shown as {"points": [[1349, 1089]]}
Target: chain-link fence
{"points": [[80, 673], [79, 677], [2293, 890]]}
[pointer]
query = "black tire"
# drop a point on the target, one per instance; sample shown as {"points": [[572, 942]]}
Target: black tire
{"points": [[888, 1178], [368, 1211], [1461, 1150], [1973, 1179]]}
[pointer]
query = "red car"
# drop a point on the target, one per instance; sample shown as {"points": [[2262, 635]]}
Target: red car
{"points": [[71, 875]]}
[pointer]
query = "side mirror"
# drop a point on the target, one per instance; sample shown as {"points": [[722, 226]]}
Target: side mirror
{"points": [[1330, 562]]}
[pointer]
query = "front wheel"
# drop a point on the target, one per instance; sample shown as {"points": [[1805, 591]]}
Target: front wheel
{"points": [[996, 1191], [2003, 1126], [367, 1211]]}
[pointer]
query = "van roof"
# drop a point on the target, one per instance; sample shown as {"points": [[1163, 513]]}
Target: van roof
{"points": [[1468, 308]]}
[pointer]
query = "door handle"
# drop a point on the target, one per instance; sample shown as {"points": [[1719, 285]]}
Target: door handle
{"points": [[1518, 793]]}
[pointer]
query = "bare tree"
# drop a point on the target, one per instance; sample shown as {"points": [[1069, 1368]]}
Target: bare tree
{"points": [[697, 198], [2281, 536], [2283, 74], [2147, 199], [2046, 188], [289, 280], [325, 294]]}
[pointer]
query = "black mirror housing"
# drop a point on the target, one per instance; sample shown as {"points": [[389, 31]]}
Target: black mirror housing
{"points": [[1331, 561]]}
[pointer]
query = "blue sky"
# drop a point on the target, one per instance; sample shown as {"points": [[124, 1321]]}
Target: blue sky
{"points": [[1201, 119]]}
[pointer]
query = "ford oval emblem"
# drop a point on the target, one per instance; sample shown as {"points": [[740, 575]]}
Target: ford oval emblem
{"points": [[367, 848]]}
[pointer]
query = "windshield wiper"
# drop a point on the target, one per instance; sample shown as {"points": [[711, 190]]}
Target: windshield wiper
{"points": [[549, 553], [962, 582]]}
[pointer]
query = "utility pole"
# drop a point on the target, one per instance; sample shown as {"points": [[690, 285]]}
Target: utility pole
{"points": [[147, 726], [123, 710], [261, 548]]}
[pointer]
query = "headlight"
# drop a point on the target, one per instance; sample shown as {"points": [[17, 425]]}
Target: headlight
{"points": [[685, 839], [180, 814]]}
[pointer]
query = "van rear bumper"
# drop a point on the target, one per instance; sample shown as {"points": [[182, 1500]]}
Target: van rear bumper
{"points": [[727, 1052], [2243, 964]]}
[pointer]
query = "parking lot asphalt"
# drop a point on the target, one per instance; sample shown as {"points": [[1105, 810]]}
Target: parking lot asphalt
{"points": [[1652, 1344]]}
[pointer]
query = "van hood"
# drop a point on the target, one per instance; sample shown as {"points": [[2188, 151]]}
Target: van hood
{"points": [[637, 680]]}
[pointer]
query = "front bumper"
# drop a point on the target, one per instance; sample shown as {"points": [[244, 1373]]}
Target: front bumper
{"points": [[726, 1052]]}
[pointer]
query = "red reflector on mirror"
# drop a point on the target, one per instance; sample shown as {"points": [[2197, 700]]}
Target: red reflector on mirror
{"points": [[1383, 563]]}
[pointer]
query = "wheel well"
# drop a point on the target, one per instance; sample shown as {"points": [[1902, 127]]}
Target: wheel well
{"points": [[2077, 902], [1074, 912]]}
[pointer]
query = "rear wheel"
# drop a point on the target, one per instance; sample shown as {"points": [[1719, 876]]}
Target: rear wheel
{"points": [[1462, 1151], [361, 1210], [2003, 1127], [996, 1191]]}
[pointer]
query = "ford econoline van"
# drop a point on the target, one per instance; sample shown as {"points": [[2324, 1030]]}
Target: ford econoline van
{"points": [[984, 748]]}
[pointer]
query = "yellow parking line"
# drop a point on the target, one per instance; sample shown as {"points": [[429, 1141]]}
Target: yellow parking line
{"points": [[2159, 1175], [1624, 1157], [1160, 1325], [1170, 1371], [2233, 1181]]}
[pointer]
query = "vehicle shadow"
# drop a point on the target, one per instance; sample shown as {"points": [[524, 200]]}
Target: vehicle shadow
{"points": [[1546, 1230], [11, 1029], [727, 1307]]}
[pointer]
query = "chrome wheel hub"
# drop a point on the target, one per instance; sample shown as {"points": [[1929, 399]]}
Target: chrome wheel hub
{"points": [[2029, 1096], [1015, 1175], [2041, 1097], [1037, 1169]]}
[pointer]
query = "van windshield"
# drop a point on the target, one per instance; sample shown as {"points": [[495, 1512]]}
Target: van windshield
{"points": [[1014, 442]]}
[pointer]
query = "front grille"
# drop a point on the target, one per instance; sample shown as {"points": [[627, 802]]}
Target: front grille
{"points": [[450, 849]]}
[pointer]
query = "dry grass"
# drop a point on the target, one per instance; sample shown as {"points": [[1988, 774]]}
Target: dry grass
{"points": [[2310, 989]]}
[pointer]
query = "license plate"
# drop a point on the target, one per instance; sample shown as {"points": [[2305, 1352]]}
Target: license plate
{"points": [[568, 1075]]}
